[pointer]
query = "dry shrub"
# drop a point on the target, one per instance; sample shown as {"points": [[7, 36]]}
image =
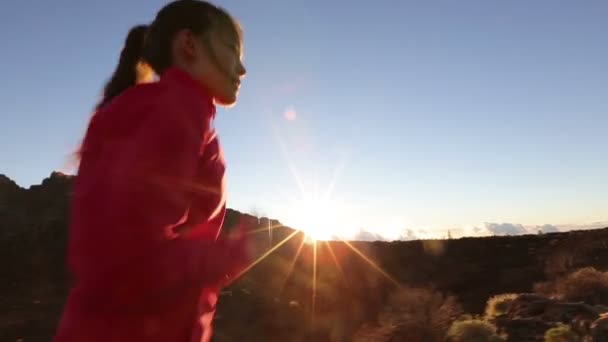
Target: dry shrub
{"points": [[473, 330], [499, 305], [584, 285], [412, 315], [561, 333]]}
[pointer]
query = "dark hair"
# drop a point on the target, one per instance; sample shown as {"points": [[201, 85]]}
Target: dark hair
{"points": [[152, 44], [194, 15], [125, 74]]}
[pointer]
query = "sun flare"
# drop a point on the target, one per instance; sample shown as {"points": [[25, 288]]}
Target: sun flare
{"points": [[318, 217]]}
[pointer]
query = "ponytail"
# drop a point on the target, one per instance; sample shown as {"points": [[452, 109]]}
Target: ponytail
{"points": [[126, 74]]}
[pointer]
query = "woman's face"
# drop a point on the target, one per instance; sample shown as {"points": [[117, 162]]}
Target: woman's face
{"points": [[222, 69]]}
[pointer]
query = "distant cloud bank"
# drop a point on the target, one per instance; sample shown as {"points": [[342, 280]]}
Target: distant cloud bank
{"points": [[487, 229], [505, 229]]}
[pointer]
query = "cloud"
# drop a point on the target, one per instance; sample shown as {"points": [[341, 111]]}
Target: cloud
{"points": [[364, 235], [505, 228], [591, 225], [486, 229], [407, 234], [490, 228], [548, 228]]}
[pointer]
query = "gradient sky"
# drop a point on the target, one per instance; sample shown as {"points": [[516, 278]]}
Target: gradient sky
{"points": [[427, 114]]}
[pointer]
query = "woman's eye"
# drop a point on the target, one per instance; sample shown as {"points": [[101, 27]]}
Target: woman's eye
{"points": [[234, 48]]}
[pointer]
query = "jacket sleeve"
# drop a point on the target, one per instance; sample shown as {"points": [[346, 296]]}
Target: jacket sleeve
{"points": [[208, 198]]}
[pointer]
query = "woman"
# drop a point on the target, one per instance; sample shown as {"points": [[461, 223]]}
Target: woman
{"points": [[149, 199]]}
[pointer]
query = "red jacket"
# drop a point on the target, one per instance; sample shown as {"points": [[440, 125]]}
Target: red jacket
{"points": [[150, 165]]}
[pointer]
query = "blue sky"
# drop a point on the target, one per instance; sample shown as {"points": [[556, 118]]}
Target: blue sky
{"points": [[420, 115]]}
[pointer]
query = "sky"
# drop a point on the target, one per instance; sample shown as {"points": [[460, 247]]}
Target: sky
{"points": [[391, 119]]}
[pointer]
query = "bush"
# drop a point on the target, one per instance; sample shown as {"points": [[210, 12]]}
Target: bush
{"points": [[584, 285], [499, 305], [412, 314], [599, 328], [473, 330], [561, 333]]}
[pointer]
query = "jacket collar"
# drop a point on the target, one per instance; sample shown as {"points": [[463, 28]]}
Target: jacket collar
{"points": [[179, 77]]}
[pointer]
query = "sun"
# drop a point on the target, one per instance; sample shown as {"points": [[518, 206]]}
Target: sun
{"points": [[313, 210], [316, 216]]}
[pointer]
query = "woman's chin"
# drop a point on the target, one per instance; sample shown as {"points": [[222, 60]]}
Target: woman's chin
{"points": [[226, 100]]}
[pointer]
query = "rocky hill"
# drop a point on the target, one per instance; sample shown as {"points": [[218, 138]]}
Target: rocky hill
{"points": [[358, 285]]}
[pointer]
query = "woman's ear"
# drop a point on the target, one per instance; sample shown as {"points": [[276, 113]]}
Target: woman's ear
{"points": [[185, 45]]}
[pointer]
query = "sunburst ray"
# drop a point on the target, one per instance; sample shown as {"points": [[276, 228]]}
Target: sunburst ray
{"points": [[270, 251], [293, 263], [372, 263]]}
